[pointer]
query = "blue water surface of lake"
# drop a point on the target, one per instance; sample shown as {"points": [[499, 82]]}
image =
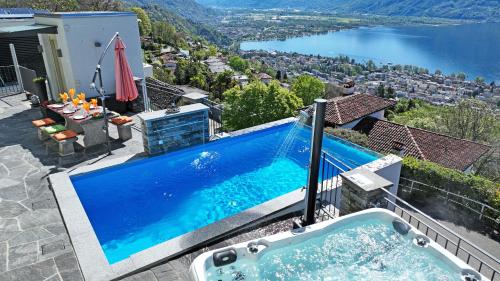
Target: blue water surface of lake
{"points": [[472, 48]]}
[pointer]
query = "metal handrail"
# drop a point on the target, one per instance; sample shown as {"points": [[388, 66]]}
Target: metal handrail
{"points": [[457, 244], [336, 159], [448, 193]]}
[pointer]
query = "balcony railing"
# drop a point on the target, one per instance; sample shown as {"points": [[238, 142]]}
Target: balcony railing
{"points": [[8, 81], [479, 259], [328, 186], [482, 210]]}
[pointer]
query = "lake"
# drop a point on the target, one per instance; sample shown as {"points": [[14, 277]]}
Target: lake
{"points": [[471, 48]]}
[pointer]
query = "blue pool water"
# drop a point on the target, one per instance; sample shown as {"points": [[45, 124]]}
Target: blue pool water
{"points": [[142, 203]]}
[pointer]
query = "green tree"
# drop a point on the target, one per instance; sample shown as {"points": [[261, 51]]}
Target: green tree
{"points": [[438, 72], [258, 103], [222, 82], [308, 88], [461, 76], [370, 65], [144, 21], [163, 74], [198, 81], [471, 119], [238, 64], [212, 50], [381, 90], [479, 80], [165, 33], [390, 93]]}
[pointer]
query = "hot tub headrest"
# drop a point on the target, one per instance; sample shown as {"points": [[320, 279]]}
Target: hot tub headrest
{"points": [[401, 226], [224, 257]]}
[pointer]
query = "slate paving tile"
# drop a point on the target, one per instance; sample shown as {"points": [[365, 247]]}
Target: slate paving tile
{"points": [[8, 225], [7, 181], [13, 192], [56, 228], [3, 257], [7, 234], [68, 267], [54, 278], [10, 209], [39, 217], [142, 276], [35, 272], [22, 255], [48, 203], [30, 235]]}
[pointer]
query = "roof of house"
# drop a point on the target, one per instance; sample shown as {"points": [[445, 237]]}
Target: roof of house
{"points": [[342, 110], [387, 137], [263, 75]]}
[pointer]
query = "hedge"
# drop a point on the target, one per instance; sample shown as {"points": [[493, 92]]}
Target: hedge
{"points": [[472, 186]]}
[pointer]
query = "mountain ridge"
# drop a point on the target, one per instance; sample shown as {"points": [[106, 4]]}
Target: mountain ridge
{"points": [[452, 9], [188, 9]]}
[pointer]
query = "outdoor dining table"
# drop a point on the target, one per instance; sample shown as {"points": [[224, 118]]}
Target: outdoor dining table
{"points": [[92, 128]]}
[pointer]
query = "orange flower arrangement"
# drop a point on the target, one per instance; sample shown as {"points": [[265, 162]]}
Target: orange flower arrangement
{"points": [[81, 96], [72, 93], [64, 97], [75, 102], [94, 102], [86, 106]]}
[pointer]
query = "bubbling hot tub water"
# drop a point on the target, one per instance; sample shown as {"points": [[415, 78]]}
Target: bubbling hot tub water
{"points": [[364, 247]]}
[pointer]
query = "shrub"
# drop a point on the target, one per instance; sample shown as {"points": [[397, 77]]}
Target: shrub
{"points": [[39, 80], [348, 134], [472, 186]]}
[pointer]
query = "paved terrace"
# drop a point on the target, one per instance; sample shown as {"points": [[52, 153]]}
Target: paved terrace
{"points": [[34, 244]]}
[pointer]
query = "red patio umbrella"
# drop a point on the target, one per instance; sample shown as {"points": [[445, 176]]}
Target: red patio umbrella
{"points": [[125, 85]]}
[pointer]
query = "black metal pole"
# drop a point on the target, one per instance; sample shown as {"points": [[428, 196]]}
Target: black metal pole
{"points": [[104, 111], [98, 74], [314, 161]]}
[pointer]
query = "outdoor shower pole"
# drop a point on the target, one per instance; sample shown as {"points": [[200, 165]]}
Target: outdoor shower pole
{"points": [[314, 161]]}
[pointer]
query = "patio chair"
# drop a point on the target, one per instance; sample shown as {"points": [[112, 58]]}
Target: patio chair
{"points": [[124, 126], [65, 140], [40, 125]]}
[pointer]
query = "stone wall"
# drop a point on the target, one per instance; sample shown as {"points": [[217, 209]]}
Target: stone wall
{"points": [[361, 189], [169, 132]]}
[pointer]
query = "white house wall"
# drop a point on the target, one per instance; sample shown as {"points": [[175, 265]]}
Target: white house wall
{"points": [[77, 36], [379, 115]]}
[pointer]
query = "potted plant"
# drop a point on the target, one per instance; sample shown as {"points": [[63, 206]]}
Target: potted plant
{"points": [[40, 89]]}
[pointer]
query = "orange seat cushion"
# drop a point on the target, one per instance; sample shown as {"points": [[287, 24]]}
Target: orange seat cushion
{"points": [[121, 120], [64, 135], [43, 122]]}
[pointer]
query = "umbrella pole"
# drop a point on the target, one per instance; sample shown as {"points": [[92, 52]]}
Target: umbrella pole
{"points": [[104, 111], [97, 74]]}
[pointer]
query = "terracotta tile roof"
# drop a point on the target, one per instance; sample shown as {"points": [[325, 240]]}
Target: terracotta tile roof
{"points": [[342, 110], [389, 137]]}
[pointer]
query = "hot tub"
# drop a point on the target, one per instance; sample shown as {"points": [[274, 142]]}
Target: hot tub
{"points": [[374, 244]]}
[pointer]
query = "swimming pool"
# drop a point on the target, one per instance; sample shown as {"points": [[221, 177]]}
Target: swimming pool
{"points": [[137, 205], [362, 246]]}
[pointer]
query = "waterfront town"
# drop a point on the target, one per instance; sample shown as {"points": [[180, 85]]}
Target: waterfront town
{"points": [[405, 82]]}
